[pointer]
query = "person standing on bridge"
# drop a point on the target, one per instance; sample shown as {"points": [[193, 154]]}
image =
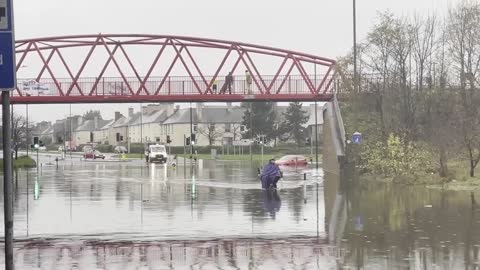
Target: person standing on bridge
{"points": [[248, 80], [214, 86], [228, 83]]}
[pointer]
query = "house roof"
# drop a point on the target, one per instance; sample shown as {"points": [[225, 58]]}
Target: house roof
{"points": [[154, 117], [108, 125], [89, 125], [47, 131], [208, 115]]}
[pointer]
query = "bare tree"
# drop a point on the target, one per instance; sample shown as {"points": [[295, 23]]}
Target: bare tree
{"points": [[464, 47], [378, 60], [211, 132], [424, 43], [19, 133]]}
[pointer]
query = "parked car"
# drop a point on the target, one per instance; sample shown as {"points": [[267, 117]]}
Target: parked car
{"points": [[93, 155], [119, 149], [292, 160]]}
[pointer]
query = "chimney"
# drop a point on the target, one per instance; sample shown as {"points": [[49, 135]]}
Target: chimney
{"points": [[170, 109], [79, 121], [199, 111], [118, 115], [229, 106], [95, 122]]}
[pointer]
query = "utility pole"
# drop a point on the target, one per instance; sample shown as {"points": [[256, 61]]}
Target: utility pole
{"points": [[191, 132], [316, 123], [71, 134], [7, 85], [355, 87], [251, 130], [141, 126], [28, 142], [316, 134], [65, 136], [7, 180]]}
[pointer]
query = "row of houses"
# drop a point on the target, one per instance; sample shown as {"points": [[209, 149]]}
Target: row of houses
{"points": [[218, 125]]}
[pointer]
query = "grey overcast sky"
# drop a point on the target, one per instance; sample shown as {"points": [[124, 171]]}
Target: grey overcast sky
{"points": [[318, 27]]}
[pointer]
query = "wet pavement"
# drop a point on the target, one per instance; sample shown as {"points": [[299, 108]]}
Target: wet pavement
{"points": [[213, 215]]}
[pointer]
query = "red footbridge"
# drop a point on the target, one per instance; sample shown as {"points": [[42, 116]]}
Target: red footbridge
{"points": [[112, 68]]}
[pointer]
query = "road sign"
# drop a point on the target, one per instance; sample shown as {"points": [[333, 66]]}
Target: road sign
{"points": [[5, 15], [357, 138], [7, 48]]}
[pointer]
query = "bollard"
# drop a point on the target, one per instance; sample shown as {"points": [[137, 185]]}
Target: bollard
{"points": [[56, 161], [304, 176]]}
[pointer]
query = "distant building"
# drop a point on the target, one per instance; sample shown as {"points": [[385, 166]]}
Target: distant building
{"points": [[211, 125], [86, 132]]}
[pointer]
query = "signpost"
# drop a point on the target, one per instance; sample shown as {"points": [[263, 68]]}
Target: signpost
{"points": [[357, 138], [7, 84]]}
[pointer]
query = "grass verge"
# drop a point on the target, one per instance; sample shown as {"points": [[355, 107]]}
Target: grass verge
{"points": [[21, 162]]}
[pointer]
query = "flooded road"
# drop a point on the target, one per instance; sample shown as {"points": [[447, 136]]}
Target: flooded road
{"points": [[130, 215]]}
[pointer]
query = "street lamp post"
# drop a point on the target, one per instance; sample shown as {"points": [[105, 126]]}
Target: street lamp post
{"points": [[28, 143], [355, 87], [316, 124]]}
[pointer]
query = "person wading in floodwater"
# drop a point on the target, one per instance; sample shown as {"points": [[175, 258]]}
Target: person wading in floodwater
{"points": [[270, 175]]}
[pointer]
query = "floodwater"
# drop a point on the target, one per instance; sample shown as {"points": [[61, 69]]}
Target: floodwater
{"points": [[213, 215]]}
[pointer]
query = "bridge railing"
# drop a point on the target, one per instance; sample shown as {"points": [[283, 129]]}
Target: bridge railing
{"points": [[174, 85]]}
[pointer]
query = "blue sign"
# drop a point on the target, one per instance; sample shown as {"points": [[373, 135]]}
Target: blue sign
{"points": [[7, 49], [6, 15], [357, 138], [7, 61]]}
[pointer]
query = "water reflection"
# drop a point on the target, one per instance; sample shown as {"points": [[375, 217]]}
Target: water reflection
{"points": [[131, 200], [294, 253], [127, 215], [397, 227], [271, 202]]}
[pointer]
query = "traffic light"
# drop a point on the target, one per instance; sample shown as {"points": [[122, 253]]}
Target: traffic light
{"points": [[168, 139], [35, 140], [187, 141], [193, 140]]}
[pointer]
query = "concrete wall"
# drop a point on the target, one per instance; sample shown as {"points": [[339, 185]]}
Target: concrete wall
{"points": [[335, 177], [333, 138]]}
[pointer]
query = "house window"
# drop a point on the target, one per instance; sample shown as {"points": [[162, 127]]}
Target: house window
{"points": [[157, 139], [118, 137], [195, 128], [228, 128], [242, 128]]}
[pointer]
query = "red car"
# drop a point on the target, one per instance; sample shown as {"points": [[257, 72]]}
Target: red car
{"points": [[292, 160], [93, 155]]}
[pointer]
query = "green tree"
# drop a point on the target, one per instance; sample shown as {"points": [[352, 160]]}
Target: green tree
{"points": [[91, 114], [295, 117], [262, 116]]}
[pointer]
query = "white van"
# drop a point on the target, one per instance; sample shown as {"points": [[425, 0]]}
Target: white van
{"points": [[156, 153]]}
